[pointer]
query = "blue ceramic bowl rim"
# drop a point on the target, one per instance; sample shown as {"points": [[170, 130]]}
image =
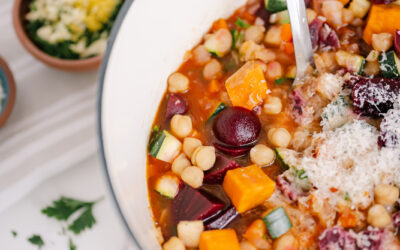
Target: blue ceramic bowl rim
{"points": [[4, 82], [103, 69]]}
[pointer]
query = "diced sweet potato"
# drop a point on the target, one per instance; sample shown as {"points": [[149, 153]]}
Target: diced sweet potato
{"points": [[247, 87], [225, 239], [248, 187], [382, 18]]}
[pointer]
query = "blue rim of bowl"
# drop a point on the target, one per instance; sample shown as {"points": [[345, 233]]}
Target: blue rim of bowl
{"points": [[4, 83], [113, 35]]}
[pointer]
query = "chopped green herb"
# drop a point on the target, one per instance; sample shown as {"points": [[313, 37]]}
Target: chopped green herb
{"points": [[72, 246], [237, 38], [280, 81], [347, 196], [14, 233], [213, 53], [301, 174], [156, 128], [63, 208], [241, 23], [36, 240]]}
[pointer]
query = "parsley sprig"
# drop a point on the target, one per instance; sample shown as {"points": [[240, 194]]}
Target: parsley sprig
{"points": [[64, 208], [36, 240]]}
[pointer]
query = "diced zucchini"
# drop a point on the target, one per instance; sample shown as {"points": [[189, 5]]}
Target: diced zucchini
{"points": [[275, 5], [291, 72], [295, 174], [280, 17], [165, 146], [221, 106], [273, 36], [277, 222], [167, 185], [352, 62], [337, 113], [389, 64], [360, 7], [287, 157]]}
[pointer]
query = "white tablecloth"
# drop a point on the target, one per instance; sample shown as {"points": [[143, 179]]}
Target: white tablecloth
{"points": [[52, 127]]}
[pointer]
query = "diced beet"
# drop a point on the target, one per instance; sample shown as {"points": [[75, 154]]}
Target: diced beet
{"points": [[372, 238], [374, 96], [328, 37], [232, 151], [237, 126], [217, 191], [263, 14], [223, 219], [289, 190], [382, 1], [315, 26], [191, 204], [396, 41], [389, 129], [337, 238], [221, 166], [176, 104], [396, 219]]}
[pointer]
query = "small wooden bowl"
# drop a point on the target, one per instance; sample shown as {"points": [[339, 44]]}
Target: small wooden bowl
{"points": [[11, 92], [20, 9]]}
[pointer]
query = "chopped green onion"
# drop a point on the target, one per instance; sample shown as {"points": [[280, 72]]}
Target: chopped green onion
{"points": [[241, 23], [280, 81], [277, 222], [237, 38], [347, 196]]}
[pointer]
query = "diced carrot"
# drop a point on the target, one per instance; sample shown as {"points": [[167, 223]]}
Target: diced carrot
{"points": [[219, 24], [348, 218], [248, 16], [247, 87], [344, 2], [256, 234], [286, 32], [213, 86], [382, 18], [288, 47], [225, 239], [248, 187]]}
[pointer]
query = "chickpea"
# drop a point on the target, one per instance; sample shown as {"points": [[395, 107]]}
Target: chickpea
{"points": [[386, 194], [174, 243], [190, 144], [189, 232], [274, 70], [270, 133], [181, 125], [204, 157], [285, 242], [280, 137], [301, 140], [193, 176], [382, 41], [245, 245], [262, 155], [272, 105], [212, 70], [178, 83], [201, 55], [179, 164], [254, 33], [378, 216]]}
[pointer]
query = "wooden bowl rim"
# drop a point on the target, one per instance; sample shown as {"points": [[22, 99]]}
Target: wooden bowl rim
{"points": [[63, 64]]}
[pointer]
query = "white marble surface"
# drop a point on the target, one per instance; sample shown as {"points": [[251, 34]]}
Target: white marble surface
{"points": [[86, 181]]}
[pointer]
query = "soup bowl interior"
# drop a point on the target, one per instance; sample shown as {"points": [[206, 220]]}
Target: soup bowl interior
{"points": [[147, 44]]}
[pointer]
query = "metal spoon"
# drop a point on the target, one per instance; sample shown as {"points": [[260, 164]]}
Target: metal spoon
{"points": [[301, 37]]}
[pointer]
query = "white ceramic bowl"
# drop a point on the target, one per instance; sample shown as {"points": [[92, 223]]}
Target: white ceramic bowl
{"points": [[147, 44]]}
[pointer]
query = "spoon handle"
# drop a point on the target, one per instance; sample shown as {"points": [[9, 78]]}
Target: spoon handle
{"points": [[301, 36]]}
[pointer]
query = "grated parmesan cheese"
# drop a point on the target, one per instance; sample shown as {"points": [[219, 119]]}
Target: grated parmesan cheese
{"points": [[348, 160]]}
